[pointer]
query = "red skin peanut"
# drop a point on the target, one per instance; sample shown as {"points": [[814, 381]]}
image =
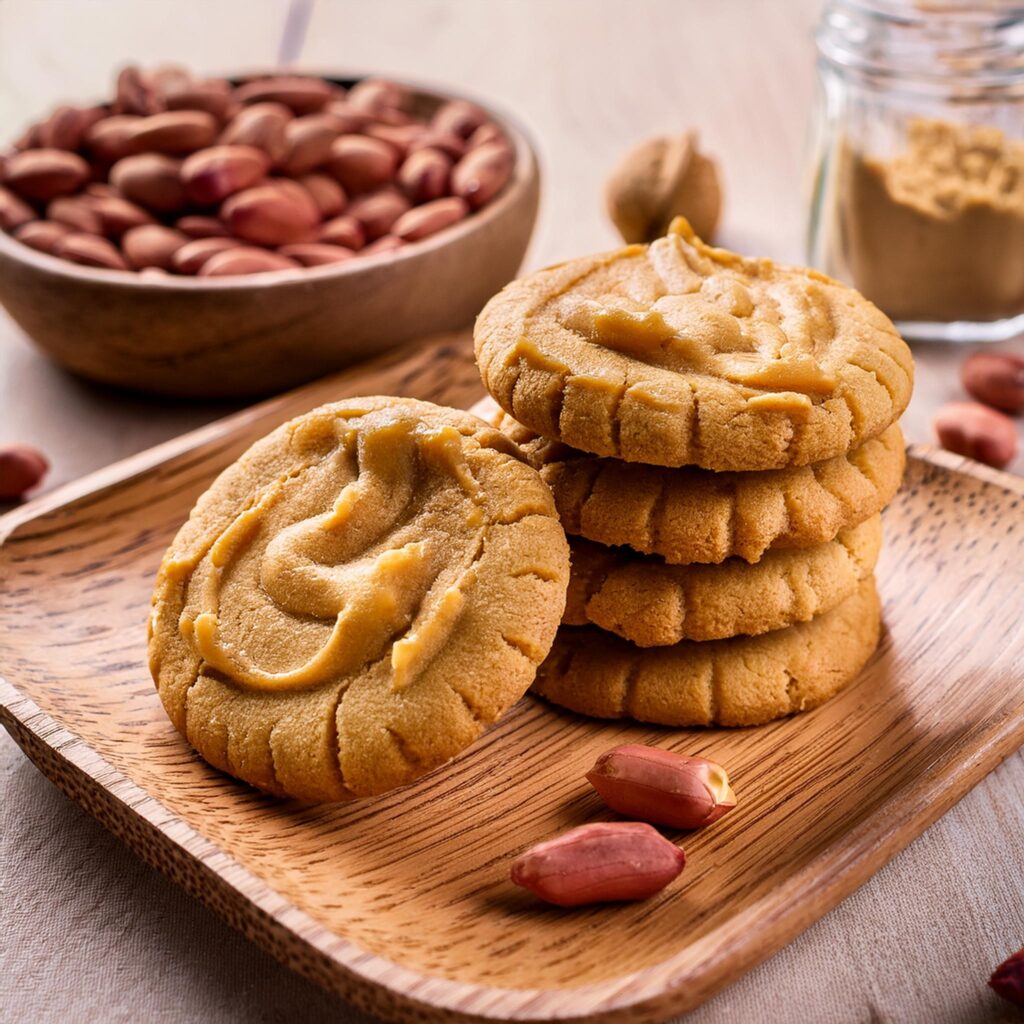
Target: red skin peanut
{"points": [[661, 786], [599, 863], [1007, 979], [995, 378], [975, 430], [22, 468]]}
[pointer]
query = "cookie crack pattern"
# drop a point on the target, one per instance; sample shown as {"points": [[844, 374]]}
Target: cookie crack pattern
{"points": [[656, 516], [615, 423], [522, 647], [200, 670], [883, 384], [588, 494], [695, 439], [405, 752], [629, 684], [714, 691]]}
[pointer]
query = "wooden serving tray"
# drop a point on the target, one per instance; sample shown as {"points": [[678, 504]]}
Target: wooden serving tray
{"points": [[402, 904]]}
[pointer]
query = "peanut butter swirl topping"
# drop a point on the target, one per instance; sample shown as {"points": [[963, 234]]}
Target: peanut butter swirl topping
{"points": [[678, 353]]}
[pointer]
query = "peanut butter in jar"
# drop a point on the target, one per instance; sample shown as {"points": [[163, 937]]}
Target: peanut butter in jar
{"points": [[937, 232], [919, 163]]}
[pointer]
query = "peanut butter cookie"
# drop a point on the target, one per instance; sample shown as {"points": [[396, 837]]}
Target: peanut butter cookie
{"points": [[355, 599], [653, 604], [742, 681], [679, 354], [690, 515]]}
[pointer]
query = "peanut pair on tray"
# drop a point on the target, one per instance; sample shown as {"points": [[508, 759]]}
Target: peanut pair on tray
{"points": [[720, 435]]}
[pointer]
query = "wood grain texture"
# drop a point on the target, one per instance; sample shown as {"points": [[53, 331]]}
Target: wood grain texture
{"points": [[402, 904]]}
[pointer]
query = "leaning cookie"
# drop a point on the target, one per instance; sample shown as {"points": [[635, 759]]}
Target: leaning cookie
{"points": [[690, 515], [742, 681], [355, 599], [680, 354], [654, 604]]}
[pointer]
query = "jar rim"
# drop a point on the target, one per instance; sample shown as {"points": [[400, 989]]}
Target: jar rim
{"points": [[949, 45]]}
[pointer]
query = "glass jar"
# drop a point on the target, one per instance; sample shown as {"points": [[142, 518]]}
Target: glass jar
{"points": [[918, 162]]}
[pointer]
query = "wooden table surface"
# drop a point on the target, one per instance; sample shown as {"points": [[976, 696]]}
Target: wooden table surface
{"points": [[91, 934]]}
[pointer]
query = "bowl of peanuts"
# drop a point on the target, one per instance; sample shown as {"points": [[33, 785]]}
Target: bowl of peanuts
{"points": [[214, 237]]}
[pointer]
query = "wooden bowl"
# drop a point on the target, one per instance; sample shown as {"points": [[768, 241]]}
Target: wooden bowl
{"points": [[250, 335]]}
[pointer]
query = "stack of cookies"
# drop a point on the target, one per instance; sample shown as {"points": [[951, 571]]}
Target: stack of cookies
{"points": [[720, 437]]}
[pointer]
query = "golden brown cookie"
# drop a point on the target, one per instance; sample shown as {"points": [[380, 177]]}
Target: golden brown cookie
{"points": [[742, 681], [688, 515], [355, 599], [654, 604], [680, 354]]}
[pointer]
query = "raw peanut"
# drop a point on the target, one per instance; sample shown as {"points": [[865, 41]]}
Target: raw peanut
{"points": [[167, 78], [995, 378], [13, 211], [316, 254], [261, 125], [135, 95], [30, 139], [201, 227], [1007, 979], [303, 95], [152, 245], [345, 231], [271, 215], [112, 138], [600, 863], [245, 260], [661, 786], [399, 136], [362, 164], [451, 145], [213, 174], [192, 256], [424, 175], [309, 142], [44, 174], [75, 213], [458, 117], [392, 117], [174, 131], [351, 120], [64, 128], [212, 95], [41, 235], [21, 468], [99, 189], [421, 221], [328, 195], [150, 179], [377, 94], [153, 272], [117, 215], [975, 430], [90, 251], [488, 132], [389, 243], [298, 194], [378, 211], [482, 173]]}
